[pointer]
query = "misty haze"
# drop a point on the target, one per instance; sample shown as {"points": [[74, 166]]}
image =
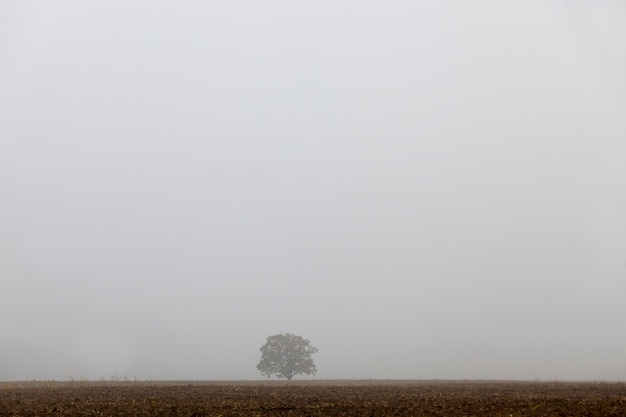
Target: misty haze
{"points": [[424, 190]]}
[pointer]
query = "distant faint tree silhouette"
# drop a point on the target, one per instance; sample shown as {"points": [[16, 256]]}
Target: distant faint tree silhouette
{"points": [[287, 355]]}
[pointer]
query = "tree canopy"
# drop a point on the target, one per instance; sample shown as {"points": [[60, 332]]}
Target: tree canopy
{"points": [[287, 355]]}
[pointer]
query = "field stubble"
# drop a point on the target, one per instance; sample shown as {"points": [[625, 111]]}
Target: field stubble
{"points": [[313, 398]]}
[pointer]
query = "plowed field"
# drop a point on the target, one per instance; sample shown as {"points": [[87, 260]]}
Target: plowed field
{"points": [[313, 398]]}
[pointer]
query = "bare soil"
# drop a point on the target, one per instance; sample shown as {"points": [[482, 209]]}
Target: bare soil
{"points": [[313, 398]]}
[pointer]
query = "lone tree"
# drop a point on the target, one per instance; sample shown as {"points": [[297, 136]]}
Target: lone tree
{"points": [[287, 355]]}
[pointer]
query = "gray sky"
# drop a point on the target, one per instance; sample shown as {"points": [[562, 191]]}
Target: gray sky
{"points": [[430, 189]]}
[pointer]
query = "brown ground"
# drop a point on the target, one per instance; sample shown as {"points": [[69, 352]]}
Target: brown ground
{"points": [[313, 398]]}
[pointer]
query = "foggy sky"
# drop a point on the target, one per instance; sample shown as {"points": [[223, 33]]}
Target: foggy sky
{"points": [[429, 189]]}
